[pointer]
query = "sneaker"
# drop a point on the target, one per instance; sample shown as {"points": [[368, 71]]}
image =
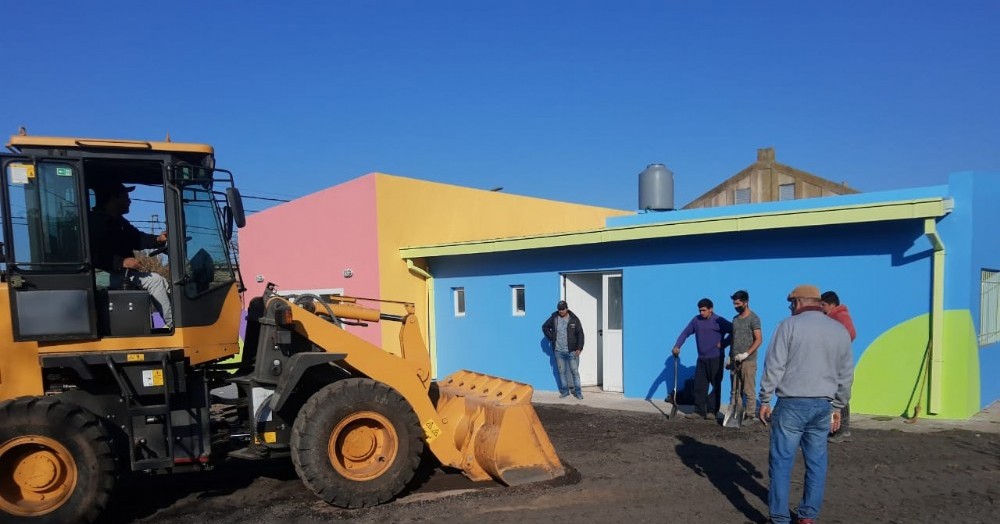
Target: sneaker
{"points": [[806, 521], [698, 416], [563, 395], [710, 416], [579, 396], [839, 437]]}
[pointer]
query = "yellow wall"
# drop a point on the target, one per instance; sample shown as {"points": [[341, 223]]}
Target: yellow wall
{"points": [[416, 212]]}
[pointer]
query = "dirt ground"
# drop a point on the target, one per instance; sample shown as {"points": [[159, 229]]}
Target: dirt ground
{"points": [[624, 467]]}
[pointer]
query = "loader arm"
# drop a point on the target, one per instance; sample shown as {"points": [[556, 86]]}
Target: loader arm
{"points": [[409, 375], [482, 425]]}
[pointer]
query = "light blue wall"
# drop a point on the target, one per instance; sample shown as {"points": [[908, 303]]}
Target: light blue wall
{"points": [[770, 207], [984, 193], [882, 273]]}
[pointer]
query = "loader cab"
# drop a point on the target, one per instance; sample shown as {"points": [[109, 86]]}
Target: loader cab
{"points": [[55, 288]]}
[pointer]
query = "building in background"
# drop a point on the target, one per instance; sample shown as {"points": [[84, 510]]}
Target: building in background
{"points": [[918, 268], [347, 238], [768, 181]]}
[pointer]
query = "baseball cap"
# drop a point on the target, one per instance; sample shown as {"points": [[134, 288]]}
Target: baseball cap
{"points": [[805, 291], [562, 305]]}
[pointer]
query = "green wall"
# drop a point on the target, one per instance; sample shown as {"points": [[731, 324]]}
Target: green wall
{"points": [[887, 376]]}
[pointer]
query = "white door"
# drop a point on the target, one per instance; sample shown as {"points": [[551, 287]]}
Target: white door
{"points": [[611, 326], [582, 292]]}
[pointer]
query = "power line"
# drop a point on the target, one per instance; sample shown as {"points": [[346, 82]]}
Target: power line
{"points": [[266, 198]]}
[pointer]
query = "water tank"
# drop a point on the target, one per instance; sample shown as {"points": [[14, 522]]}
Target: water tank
{"points": [[656, 188]]}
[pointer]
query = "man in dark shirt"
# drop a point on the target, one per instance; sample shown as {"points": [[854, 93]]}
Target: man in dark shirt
{"points": [[113, 241], [711, 334]]}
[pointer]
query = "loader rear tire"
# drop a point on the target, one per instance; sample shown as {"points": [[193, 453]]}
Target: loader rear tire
{"points": [[356, 443], [56, 462]]}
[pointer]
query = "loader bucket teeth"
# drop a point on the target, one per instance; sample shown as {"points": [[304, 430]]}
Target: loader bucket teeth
{"points": [[500, 436]]}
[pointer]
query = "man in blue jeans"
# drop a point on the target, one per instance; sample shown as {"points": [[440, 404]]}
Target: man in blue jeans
{"points": [[809, 366], [566, 336]]}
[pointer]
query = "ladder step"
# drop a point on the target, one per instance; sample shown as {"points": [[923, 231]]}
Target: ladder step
{"points": [[155, 463], [152, 409]]}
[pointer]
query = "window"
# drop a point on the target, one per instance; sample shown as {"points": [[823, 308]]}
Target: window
{"points": [[741, 196], [989, 308], [458, 294], [615, 302], [207, 266], [517, 300], [45, 214], [786, 191]]}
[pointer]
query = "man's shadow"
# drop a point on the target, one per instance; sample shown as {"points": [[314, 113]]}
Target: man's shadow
{"points": [[727, 471], [549, 351], [666, 378]]}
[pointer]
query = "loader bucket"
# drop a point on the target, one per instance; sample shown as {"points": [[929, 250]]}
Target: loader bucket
{"points": [[497, 430]]}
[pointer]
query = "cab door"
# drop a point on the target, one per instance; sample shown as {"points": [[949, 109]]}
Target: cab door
{"points": [[50, 282]]}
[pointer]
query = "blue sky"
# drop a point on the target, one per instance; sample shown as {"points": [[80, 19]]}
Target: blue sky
{"points": [[566, 100]]}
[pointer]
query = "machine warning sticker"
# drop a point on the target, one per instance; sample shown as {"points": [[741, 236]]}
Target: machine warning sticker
{"points": [[135, 357], [431, 430], [64, 171], [152, 377], [270, 437], [20, 173]]}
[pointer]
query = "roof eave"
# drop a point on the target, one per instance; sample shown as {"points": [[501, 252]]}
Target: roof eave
{"points": [[855, 214]]}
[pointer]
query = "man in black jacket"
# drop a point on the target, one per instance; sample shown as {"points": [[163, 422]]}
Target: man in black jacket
{"points": [[564, 331], [113, 241]]}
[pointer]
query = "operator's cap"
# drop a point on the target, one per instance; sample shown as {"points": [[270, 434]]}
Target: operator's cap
{"points": [[805, 291], [118, 187], [562, 305], [104, 192], [112, 188]]}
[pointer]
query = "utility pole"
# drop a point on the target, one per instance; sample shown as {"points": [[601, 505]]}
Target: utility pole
{"points": [[154, 220]]}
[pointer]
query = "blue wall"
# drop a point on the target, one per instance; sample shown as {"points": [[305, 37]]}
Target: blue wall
{"points": [[985, 254], [882, 272]]}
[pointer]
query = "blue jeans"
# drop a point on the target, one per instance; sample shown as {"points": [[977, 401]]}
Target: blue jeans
{"points": [[798, 422], [568, 364]]}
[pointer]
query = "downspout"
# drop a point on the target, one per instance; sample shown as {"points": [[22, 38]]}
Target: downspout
{"points": [[431, 338], [937, 316]]}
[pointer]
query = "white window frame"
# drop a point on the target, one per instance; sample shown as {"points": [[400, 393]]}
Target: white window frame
{"points": [[989, 307], [457, 292], [513, 300]]}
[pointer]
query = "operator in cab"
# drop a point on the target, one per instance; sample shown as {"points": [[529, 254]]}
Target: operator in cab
{"points": [[113, 240]]}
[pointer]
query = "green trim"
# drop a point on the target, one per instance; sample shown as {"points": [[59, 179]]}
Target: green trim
{"points": [[887, 376], [875, 212], [937, 316], [431, 332]]}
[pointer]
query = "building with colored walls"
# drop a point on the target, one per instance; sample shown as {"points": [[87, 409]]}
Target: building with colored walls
{"points": [[918, 269], [347, 238]]}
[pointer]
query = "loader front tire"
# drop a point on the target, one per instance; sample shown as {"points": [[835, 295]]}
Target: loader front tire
{"points": [[356, 443], [56, 463]]}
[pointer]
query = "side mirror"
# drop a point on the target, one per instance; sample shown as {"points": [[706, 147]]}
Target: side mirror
{"points": [[235, 205]]}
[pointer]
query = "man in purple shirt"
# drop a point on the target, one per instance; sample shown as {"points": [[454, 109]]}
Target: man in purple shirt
{"points": [[711, 334]]}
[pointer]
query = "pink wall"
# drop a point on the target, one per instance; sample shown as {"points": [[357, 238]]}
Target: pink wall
{"points": [[309, 242]]}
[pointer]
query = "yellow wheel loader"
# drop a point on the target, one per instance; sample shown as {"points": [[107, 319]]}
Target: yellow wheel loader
{"points": [[95, 386]]}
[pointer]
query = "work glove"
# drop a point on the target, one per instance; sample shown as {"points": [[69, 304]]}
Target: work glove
{"points": [[742, 356]]}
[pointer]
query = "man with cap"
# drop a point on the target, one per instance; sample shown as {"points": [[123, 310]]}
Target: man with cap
{"points": [[809, 367], [113, 241], [564, 332]]}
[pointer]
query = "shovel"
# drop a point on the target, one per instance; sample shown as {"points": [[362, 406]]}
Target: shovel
{"points": [[673, 400], [734, 417]]}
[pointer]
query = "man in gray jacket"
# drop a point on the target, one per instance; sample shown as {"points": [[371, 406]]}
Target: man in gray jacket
{"points": [[809, 366]]}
